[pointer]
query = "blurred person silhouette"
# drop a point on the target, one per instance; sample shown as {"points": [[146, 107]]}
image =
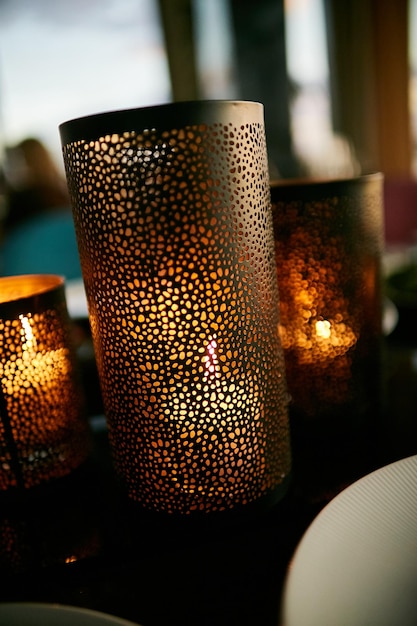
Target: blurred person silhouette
{"points": [[38, 228]]}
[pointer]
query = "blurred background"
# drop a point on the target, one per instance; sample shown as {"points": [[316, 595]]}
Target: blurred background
{"points": [[337, 78]]}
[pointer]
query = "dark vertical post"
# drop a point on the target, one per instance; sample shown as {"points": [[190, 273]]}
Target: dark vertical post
{"points": [[177, 23], [262, 75]]}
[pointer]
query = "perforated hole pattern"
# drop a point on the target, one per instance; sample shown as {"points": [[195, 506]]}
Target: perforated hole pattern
{"points": [[329, 240], [177, 251]]}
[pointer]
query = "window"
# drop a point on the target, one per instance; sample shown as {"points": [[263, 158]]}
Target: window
{"points": [[61, 59], [322, 152]]}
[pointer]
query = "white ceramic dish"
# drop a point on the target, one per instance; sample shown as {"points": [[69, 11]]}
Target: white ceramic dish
{"points": [[39, 614], [356, 565]]}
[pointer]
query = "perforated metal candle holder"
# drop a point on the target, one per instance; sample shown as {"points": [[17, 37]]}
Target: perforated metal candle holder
{"points": [[43, 430], [329, 241], [172, 214]]}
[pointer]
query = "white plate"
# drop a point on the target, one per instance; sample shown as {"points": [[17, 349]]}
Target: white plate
{"points": [[356, 565], [38, 614]]}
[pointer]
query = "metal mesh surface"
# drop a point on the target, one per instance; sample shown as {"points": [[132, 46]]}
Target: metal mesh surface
{"points": [[172, 214]]}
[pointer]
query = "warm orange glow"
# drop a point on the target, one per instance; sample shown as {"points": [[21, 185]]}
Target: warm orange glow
{"points": [[323, 329], [183, 299], [211, 361], [316, 323], [42, 429], [15, 287], [328, 236], [27, 333], [320, 340], [232, 439], [33, 370]]}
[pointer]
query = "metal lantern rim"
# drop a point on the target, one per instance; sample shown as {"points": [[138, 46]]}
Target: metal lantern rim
{"points": [[177, 114], [40, 284], [311, 184], [32, 292]]}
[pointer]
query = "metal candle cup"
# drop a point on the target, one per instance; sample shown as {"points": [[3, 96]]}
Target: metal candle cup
{"points": [[43, 430]]}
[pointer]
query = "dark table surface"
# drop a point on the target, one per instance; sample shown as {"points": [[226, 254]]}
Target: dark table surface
{"points": [[79, 541]]}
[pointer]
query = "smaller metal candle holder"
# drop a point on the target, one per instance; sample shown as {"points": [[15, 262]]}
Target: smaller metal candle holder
{"points": [[329, 240], [43, 433], [172, 215]]}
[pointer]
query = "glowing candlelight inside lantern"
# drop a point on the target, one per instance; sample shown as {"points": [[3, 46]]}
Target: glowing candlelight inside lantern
{"points": [[230, 439], [43, 433], [219, 448], [327, 246], [334, 338], [319, 326], [36, 380], [36, 367], [211, 361]]}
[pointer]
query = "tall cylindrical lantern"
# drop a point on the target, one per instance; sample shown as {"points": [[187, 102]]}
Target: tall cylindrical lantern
{"points": [[43, 428], [329, 241], [172, 213]]}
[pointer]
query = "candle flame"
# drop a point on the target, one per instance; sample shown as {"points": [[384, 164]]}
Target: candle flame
{"points": [[323, 329], [211, 360], [28, 338]]}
